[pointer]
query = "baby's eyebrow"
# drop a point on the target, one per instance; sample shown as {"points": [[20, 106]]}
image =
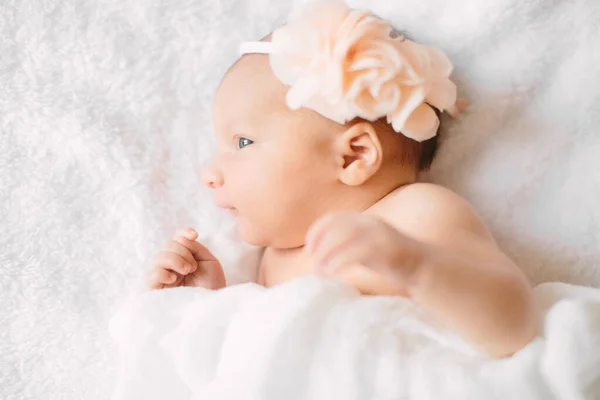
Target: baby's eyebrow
{"points": [[235, 126], [242, 127]]}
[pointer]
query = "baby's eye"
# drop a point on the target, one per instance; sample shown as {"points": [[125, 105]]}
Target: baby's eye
{"points": [[243, 142]]}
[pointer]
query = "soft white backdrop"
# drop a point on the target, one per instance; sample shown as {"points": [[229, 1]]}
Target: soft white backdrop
{"points": [[105, 125]]}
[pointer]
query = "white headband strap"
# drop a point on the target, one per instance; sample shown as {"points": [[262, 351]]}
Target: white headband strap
{"points": [[255, 47]]}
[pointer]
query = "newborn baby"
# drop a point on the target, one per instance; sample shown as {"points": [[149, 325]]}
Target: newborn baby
{"points": [[322, 130]]}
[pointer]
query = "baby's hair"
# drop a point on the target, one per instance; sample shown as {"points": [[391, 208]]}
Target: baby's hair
{"points": [[419, 155]]}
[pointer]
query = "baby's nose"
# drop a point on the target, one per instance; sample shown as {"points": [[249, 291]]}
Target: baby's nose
{"points": [[211, 177]]}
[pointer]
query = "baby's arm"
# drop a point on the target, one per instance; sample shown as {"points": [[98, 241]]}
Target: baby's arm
{"points": [[429, 244], [468, 282]]}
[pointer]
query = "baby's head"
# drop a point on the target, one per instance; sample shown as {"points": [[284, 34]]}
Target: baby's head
{"points": [[279, 167]]}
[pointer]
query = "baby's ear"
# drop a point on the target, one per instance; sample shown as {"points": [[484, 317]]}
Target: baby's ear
{"points": [[359, 154]]}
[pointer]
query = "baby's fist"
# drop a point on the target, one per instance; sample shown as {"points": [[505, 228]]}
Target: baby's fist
{"points": [[344, 240], [185, 262]]}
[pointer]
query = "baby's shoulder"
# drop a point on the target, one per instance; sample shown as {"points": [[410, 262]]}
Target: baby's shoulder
{"points": [[425, 198], [430, 209], [429, 198]]}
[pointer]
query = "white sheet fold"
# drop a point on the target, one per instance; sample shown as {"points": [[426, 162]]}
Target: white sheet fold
{"points": [[318, 339]]}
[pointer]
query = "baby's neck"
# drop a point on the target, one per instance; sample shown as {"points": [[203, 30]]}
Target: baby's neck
{"points": [[281, 264]]}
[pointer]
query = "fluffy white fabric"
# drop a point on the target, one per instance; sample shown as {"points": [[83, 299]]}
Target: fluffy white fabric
{"points": [[105, 124], [314, 339]]}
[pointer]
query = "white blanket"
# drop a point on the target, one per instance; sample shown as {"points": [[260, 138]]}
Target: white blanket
{"points": [[316, 339], [105, 124]]}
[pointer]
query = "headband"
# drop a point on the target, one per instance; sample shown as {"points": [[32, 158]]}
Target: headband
{"points": [[345, 63]]}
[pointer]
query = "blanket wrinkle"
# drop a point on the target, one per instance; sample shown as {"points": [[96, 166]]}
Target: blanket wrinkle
{"points": [[317, 339]]}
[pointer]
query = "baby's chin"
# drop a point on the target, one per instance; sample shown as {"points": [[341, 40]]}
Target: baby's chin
{"points": [[250, 234], [258, 236]]}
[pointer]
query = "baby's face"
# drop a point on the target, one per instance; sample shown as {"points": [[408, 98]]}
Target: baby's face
{"points": [[274, 169]]}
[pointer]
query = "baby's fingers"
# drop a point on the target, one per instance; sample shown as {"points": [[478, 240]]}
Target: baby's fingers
{"points": [[179, 247], [159, 278], [187, 233], [172, 261], [318, 230], [199, 252]]}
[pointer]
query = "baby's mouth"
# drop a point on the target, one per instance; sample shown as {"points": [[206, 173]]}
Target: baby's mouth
{"points": [[225, 206], [231, 210]]}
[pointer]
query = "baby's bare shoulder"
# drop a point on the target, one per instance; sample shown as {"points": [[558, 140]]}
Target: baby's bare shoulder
{"points": [[428, 197], [429, 210]]}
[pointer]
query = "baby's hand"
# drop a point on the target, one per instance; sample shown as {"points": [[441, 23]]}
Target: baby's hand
{"points": [[185, 262], [344, 240]]}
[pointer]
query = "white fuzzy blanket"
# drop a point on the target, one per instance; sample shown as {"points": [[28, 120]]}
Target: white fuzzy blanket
{"points": [[105, 125], [313, 339]]}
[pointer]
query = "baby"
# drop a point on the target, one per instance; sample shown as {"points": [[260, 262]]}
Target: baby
{"points": [[322, 129]]}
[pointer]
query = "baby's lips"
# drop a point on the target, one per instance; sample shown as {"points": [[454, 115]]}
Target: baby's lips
{"points": [[222, 201]]}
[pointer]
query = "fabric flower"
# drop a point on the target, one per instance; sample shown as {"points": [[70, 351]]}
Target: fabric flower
{"points": [[345, 63]]}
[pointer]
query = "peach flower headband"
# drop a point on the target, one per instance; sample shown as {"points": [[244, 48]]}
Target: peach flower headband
{"points": [[345, 63]]}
